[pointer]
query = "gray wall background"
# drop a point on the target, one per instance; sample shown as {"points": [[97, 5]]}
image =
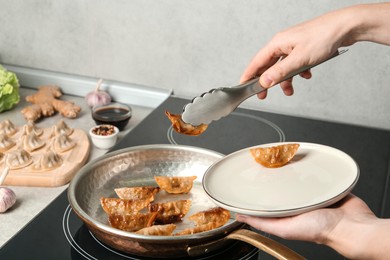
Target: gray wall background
{"points": [[193, 46]]}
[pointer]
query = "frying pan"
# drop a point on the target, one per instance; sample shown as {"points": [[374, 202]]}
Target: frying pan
{"points": [[137, 166]]}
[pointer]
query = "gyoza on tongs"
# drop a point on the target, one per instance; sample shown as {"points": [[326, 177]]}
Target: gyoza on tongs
{"points": [[220, 102]]}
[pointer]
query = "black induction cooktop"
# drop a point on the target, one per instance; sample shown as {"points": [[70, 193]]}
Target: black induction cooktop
{"points": [[57, 233]]}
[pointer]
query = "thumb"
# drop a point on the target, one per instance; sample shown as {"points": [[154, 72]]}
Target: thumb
{"points": [[240, 217], [266, 80], [279, 71]]}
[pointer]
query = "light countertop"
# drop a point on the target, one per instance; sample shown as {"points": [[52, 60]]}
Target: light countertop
{"points": [[32, 200]]}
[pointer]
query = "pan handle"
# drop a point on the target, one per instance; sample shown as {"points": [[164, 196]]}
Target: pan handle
{"points": [[263, 243]]}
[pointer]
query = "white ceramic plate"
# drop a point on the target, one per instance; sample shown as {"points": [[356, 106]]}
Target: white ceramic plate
{"points": [[316, 177]]}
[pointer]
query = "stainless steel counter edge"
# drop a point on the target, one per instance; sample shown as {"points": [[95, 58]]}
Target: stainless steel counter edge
{"points": [[80, 85]]}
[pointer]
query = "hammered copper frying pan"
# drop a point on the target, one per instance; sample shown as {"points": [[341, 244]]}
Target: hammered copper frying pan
{"points": [[137, 166]]}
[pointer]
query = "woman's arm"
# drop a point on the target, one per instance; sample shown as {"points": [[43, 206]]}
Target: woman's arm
{"points": [[348, 227], [315, 40]]}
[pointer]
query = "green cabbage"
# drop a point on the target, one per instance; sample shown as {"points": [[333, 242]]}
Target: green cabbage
{"points": [[9, 89]]}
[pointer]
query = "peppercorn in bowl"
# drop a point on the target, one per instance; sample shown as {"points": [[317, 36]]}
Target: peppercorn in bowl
{"points": [[104, 136]]}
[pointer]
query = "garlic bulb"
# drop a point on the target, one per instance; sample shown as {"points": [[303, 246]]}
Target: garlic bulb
{"points": [[7, 196], [7, 199], [98, 97]]}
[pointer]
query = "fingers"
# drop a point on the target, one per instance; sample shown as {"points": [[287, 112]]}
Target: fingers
{"points": [[306, 74], [254, 222], [262, 95], [262, 61], [287, 87], [273, 65], [276, 226], [280, 70]]}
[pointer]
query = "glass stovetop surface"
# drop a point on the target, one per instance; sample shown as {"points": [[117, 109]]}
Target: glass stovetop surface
{"points": [[57, 233]]}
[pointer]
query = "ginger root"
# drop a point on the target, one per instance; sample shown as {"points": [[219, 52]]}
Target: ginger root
{"points": [[46, 103]]}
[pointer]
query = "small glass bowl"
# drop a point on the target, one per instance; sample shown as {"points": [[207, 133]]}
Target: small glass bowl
{"points": [[114, 113], [104, 136]]}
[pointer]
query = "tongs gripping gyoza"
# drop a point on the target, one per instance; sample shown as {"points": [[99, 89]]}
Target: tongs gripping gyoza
{"points": [[220, 102]]}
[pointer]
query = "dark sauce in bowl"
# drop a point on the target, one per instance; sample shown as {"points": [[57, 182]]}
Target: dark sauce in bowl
{"points": [[114, 114]]}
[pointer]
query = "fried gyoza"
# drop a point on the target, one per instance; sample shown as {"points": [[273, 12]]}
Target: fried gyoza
{"points": [[276, 156], [170, 212], [133, 222], [207, 220], [157, 230], [197, 229], [214, 215], [122, 207], [184, 128], [176, 184], [137, 193]]}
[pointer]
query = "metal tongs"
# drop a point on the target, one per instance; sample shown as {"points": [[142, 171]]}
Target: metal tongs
{"points": [[220, 102]]}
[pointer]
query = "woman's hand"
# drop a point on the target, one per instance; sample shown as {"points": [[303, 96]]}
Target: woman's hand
{"points": [[314, 41], [349, 227]]}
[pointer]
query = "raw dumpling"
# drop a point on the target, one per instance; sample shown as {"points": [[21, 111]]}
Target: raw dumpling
{"points": [[32, 142], [63, 143], [137, 193], [206, 220], [122, 207], [182, 127], [170, 212], [7, 127], [132, 222], [17, 159], [276, 156], [30, 127], [61, 128], [48, 161], [157, 230], [175, 185], [5, 142]]}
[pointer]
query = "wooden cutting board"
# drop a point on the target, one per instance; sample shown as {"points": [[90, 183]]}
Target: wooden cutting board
{"points": [[71, 161]]}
